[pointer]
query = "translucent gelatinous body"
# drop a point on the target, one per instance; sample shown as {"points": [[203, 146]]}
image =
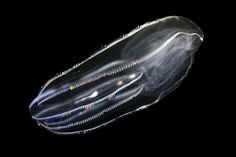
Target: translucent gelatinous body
{"points": [[130, 74]]}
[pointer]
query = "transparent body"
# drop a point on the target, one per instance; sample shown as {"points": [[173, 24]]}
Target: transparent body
{"points": [[128, 75]]}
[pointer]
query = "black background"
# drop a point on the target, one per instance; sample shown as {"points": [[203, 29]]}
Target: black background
{"points": [[49, 40]]}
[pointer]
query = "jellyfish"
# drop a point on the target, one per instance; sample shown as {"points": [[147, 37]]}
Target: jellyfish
{"points": [[128, 75]]}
